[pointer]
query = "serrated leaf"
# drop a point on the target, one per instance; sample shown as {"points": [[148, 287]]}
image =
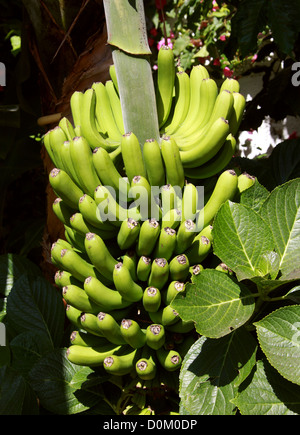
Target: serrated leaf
{"points": [[254, 197], [216, 303], [58, 384], [268, 394], [212, 371], [35, 305], [281, 211], [279, 337], [241, 237]]}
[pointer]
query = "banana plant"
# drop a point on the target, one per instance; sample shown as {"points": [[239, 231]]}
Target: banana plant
{"points": [[127, 35]]}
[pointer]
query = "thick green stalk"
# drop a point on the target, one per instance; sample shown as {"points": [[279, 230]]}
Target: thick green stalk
{"points": [[126, 26]]}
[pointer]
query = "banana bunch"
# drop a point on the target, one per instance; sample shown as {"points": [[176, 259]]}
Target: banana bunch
{"points": [[136, 231]]}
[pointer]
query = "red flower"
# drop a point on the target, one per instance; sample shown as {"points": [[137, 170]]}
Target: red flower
{"points": [[293, 135], [216, 62], [227, 72], [160, 4], [153, 32]]}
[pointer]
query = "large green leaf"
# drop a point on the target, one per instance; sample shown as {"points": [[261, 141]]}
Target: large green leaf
{"points": [[281, 211], [241, 238], [35, 305], [268, 394], [216, 303], [212, 371], [60, 385], [279, 337]]}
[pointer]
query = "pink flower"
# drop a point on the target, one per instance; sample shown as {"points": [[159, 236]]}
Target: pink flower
{"points": [[227, 72], [216, 62], [223, 37], [254, 58], [163, 42]]}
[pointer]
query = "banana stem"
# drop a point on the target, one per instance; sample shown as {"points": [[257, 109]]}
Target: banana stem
{"points": [[127, 34]]}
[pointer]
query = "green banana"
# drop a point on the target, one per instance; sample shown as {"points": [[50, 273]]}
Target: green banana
{"points": [[76, 102], [108, 173], [195, 270], [217, 163], [78, 298], [245, 181], [146, 366], [79, 224], [172, 291], [75, 238], [171, 219], [130, 262], [82, 159], [231, 85], [128, 233], [148, 235], [67, 128], [115, 104], [179, 268], [85, 339], [159, 274], [121, 365], [143, 268], [141, 191], [99, 255], [125, 285], [73, 263], [90, 356], [73, 315], [206, 232], [236, 117], [113, 76], [199, 250], [166, 316], [65, 188], [222, 267], [189, 202], [225, 189], [165, 244], [181, 327], [104, 113], [151, 299], [89, 322], [109, 328], [62, 211], [109, 299], [181, 104], [56, 139], [198, 73], [170, 360], [90, 212], [185, 235], [173, 164], [47, 145], [170, 197], [203, 150], [154, 164], [63, 278], [67, 162], [165, 83], [155, 336], [132, 333], [132, 156], [88, 123]]}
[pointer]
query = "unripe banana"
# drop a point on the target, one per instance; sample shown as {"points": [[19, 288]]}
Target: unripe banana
{"points": [[67, 162], [236, 117], [181, 104], [132, 156], [112, 91], [159, 274], [179, 268], [108, 173], [174, 288], [181, 327], [73, 263], [171, 219], [89, 210], [62, 211], [113, 76], [165, 316], [231, 85], [217, 163], [78, 223], [125, 285], [195, 270], [146, 365], [89, 322], [76, 102], [165, 83], [143, 268], [170, 360], [141, 191], [189, 202], [128, 233], [73, 315], [99, 255], [75, 238], [82, 159], [132, 333], [78, 298], [154, 163], [199, 250], [108, 299], [151, 299], [222, 267], [185, 235], [56, 139], [206, 232], [166, 243], [155, 336], [173, 164], [121, 364], [170, 197], [85, 339], [47, 144], [225, 189], [65, 188], [245, 181], [67, 128], [130, 261], [63, 278], [109, 328], [149, 233], [90, 356]]}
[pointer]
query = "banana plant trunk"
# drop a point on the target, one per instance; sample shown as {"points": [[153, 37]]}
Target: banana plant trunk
{"points": [[127, 36]]}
